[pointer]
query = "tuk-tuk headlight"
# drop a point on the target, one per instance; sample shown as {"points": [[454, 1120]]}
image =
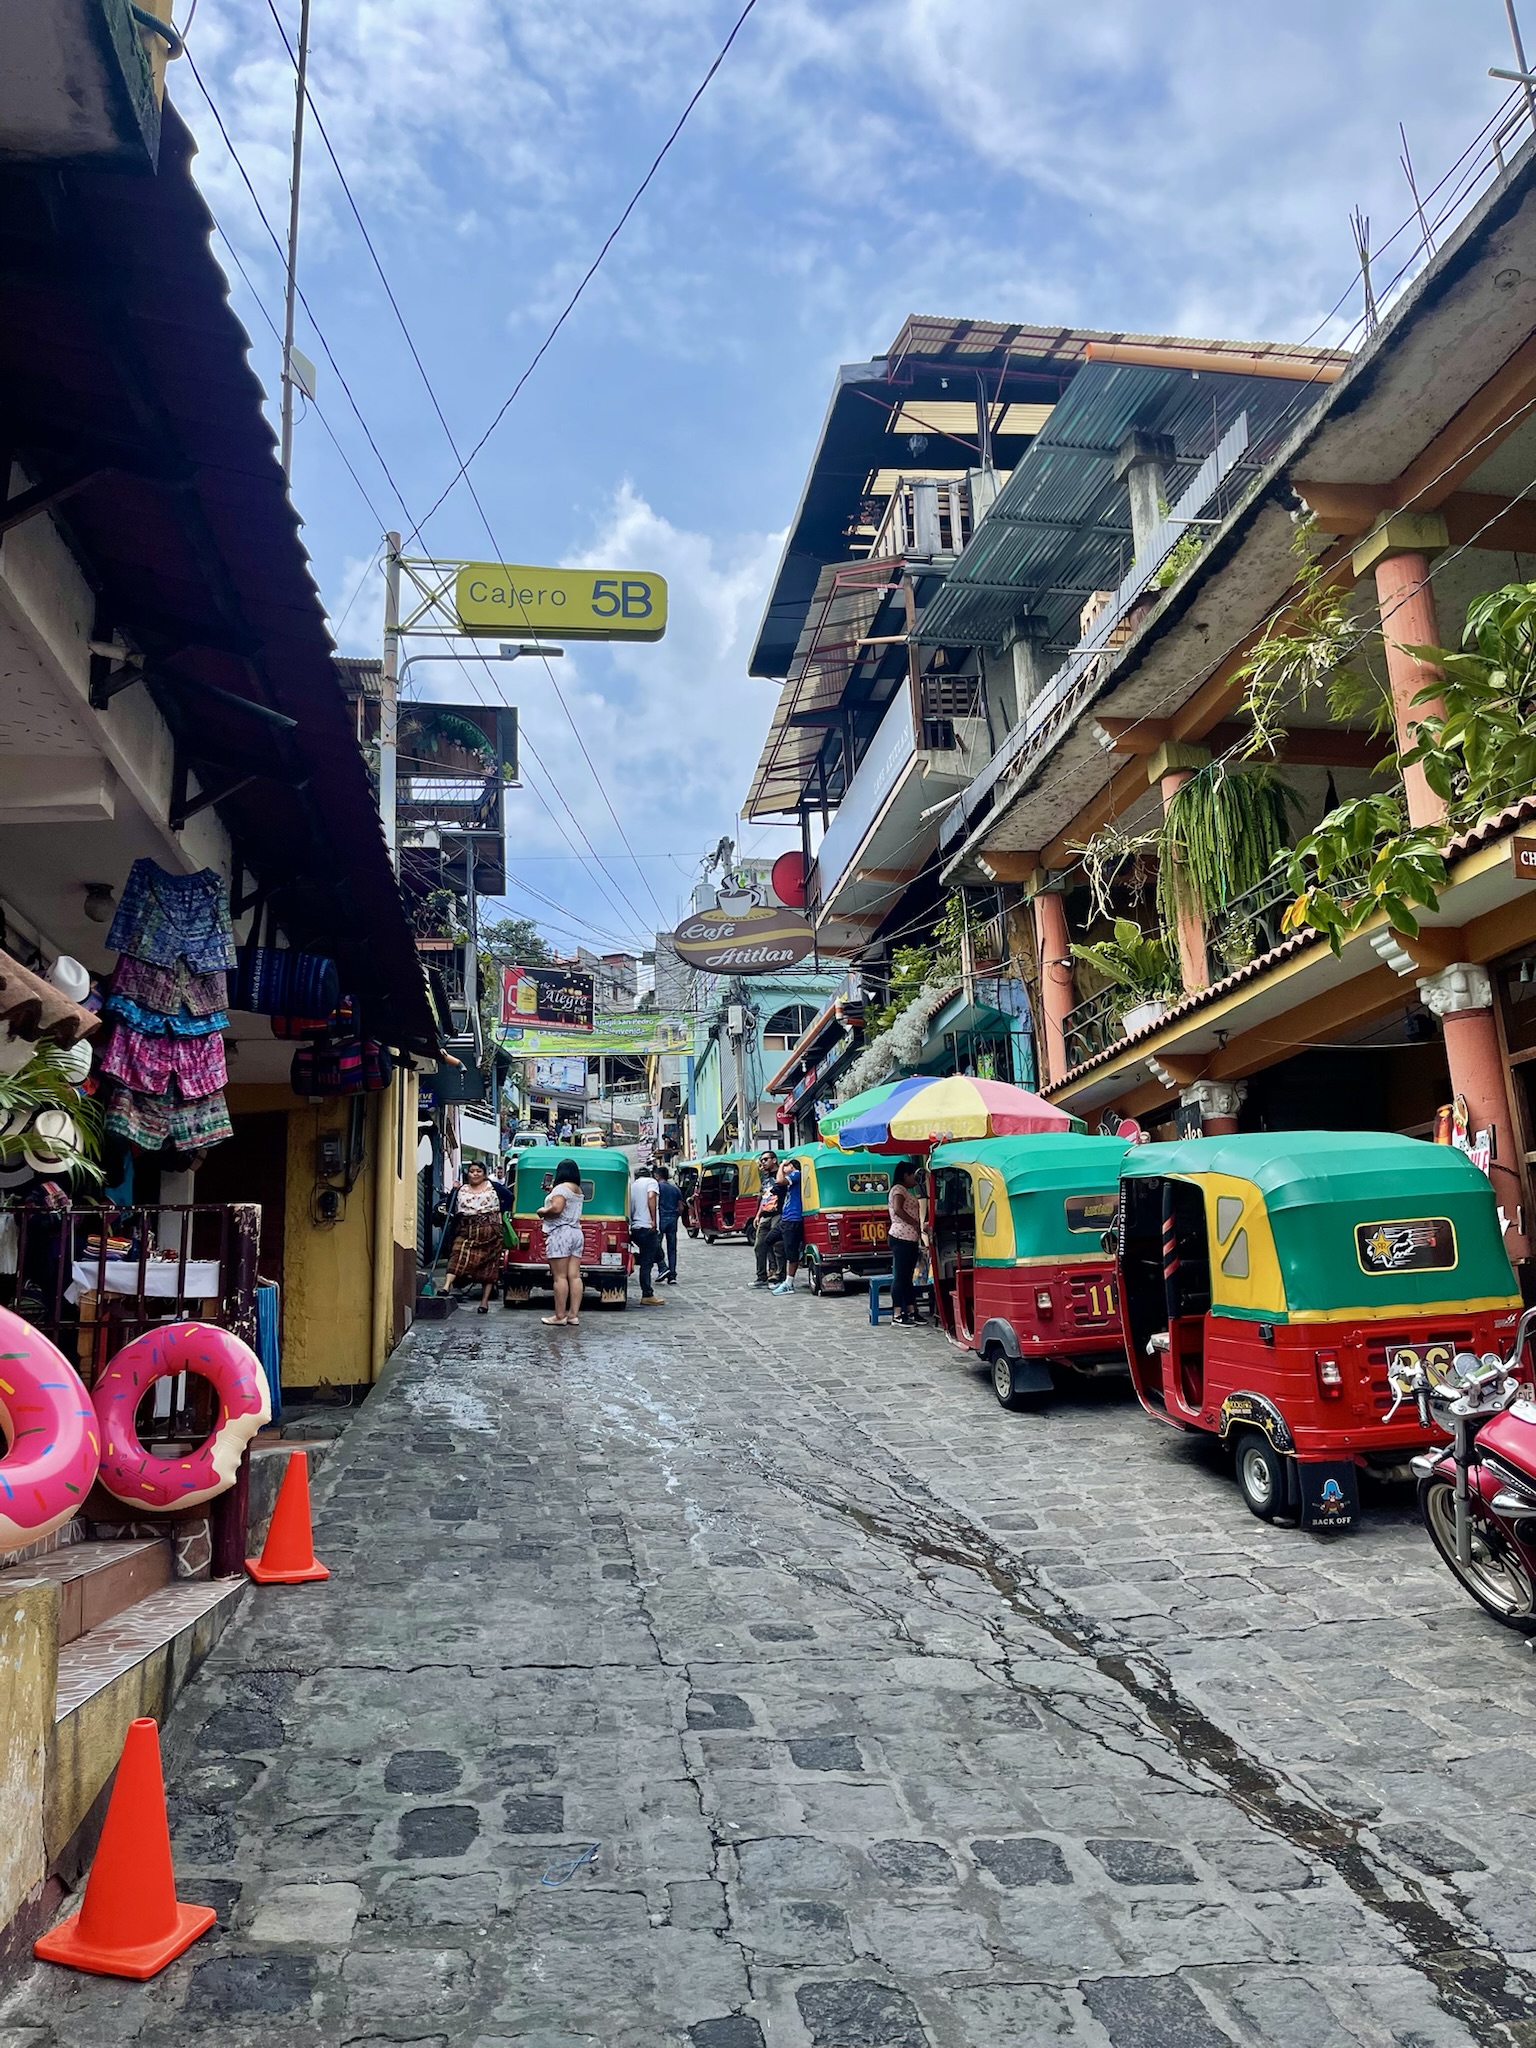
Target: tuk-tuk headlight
{"points": [[1330, 1379]]}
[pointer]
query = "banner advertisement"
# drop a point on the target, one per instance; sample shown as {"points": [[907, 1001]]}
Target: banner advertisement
{"points": [[759, 939], [635, 1032], [546, 995], [561, 1076]]}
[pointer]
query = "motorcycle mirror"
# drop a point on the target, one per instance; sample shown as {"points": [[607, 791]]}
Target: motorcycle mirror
{"points": [[1108, 1242]]}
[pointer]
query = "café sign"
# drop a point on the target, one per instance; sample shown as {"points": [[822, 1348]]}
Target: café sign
{"points": [[566, 604], [759, 940]]}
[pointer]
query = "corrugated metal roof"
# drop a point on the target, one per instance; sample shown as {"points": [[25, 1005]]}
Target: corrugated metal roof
{"points": [[1060, 527]]}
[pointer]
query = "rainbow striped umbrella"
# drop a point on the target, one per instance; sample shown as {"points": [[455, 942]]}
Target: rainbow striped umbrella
{"points": [[922, 1111], [866, 1108]]}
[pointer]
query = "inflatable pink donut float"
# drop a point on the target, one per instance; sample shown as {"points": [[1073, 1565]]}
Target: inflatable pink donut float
{"points": [[51, 1434], [132, 1474]]}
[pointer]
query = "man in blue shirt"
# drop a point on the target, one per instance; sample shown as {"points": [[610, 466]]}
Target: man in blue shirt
{"points": [[791, 1222], [669, 1203]]}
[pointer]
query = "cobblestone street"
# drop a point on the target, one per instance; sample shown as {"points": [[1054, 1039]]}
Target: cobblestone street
{"points": [[884, 1718]]}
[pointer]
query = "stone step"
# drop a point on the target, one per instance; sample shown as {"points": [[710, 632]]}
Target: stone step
{"points": [[97, 1580]]}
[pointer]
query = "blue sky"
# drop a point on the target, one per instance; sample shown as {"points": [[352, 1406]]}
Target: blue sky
{"points": [[1127, 164]]}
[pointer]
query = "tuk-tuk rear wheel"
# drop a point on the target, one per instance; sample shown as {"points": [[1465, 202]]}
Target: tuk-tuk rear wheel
{"points": [[1009, 1394], [1260, 1475]]}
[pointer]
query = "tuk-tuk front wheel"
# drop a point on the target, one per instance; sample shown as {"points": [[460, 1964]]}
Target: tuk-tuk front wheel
{"points": [[1261, 1475]]}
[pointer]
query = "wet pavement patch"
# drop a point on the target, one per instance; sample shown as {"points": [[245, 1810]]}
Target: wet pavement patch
{"points": [[533, 1813], [1152, 2012], [222, 1893], [1142, 1862], [736, 2032], [1019, 1860], [235, 1731], [422, 1770], [826, 1753], [718, 1710], [859, 2013], [233, 1987], [912, 1863], [430, 1831]]}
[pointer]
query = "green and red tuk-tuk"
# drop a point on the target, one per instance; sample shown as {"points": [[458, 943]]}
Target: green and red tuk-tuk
{"points": [[843, 1199], [686, 1175], [1020, 1273], [727, 1197], [607, 1255], [1267, 1281]]}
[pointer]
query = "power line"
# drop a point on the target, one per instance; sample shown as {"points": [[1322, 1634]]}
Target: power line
{"points": [[405, 509], [595, 265], [442, 419]]}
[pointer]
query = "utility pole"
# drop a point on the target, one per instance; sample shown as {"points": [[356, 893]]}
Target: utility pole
{"points": [[389, 684], [300, 92], [1523, 67], [736, 1027]]}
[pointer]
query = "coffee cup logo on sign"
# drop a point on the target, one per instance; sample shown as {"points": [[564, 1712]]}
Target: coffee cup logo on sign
{"points": [[752, 940]]}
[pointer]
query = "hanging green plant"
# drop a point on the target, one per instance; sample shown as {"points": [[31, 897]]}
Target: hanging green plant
{"points": [[1221, 834]]}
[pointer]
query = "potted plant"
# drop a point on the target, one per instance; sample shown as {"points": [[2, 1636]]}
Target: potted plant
{"points": [[1138, 963]]}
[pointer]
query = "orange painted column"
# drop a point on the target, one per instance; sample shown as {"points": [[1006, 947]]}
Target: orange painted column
{"points": [[1407, 601], [1461, 996], [1058, 994]]}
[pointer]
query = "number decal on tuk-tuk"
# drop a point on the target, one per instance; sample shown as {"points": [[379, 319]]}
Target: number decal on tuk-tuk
{"points": [[1416, 1245], [1092, 1212], [1101, 1299]]}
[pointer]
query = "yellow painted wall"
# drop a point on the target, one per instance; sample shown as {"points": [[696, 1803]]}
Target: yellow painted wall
{"points": [[329, 1275]]}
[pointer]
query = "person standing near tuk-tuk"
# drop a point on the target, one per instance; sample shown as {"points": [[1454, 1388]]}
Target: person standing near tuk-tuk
{"points": [[766, 1231], [643, 1206], [560, 1213], [475, 1260], [905, 1232], [669, 1206], [791, 1222]]}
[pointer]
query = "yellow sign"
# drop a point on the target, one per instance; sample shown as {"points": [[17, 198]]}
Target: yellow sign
{"points": [[568, 604]]}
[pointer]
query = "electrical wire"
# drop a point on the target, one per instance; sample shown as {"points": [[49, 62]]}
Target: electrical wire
{"points": [[442, 419], [594, 266], [597, 865]]}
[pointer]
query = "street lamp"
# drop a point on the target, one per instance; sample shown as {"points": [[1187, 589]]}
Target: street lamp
{"points": [[388, 741]]}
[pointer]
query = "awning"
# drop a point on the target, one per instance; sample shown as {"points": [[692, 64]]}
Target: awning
{"points": [[131, 401]]}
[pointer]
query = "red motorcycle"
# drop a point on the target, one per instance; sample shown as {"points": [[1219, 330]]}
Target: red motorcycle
{"points": [[1478, 1496]]}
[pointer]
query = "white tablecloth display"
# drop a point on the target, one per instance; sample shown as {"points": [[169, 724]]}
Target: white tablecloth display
{"points": [[122, 1277]]}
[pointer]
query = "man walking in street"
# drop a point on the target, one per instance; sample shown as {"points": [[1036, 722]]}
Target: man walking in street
{"points": [[767, 1232], [669, 1203], [643, 1203], [791, 1222]]}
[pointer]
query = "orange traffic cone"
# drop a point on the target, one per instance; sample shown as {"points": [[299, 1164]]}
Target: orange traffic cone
{"points": [[288, 1555], [131, 1924]]}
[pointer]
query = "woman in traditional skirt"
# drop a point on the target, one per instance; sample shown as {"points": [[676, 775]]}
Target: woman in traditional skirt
{"points": [[476, 1256]]}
